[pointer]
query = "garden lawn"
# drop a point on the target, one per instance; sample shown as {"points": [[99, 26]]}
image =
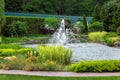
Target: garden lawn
{"points": [[24, 77]]}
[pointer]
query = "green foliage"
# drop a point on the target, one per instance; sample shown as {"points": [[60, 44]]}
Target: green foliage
{"points": [[13, 49], [110, 15], [26, 77], [53, 23], [14, 39], [0, 39], [33, 23], [96, 66], [11, 46], [33, 64], [50, 66], [10, 51], [27, 38], [111, 34], [61, 7], [55, 53], [32, 67], [2, 17], [32, 54], [118, 30], [96, 13], [85, 24], [16, 28], [78, 24], [96, 36], [111, 40], [13, 64], [96, 26], [116, 19]]}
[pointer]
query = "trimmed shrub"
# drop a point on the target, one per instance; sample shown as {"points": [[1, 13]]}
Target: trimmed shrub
{"points": [[53, 23], [55, 53], [96, 66], [96, 36], [33, 23], [96, 26], [16, 28]]}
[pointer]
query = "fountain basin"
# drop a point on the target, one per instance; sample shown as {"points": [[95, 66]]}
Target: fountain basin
{"points": [[89, 51]]}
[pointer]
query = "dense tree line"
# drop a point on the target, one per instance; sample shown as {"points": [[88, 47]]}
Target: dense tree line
{"points": [[2, 17], [108, 14], [60, 7]]}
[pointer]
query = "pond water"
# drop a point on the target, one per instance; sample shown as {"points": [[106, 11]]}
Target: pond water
{"points": [[89, 51], [81, 51]]}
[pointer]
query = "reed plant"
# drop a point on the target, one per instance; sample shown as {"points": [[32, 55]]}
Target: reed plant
{"points": [[55, 53]]}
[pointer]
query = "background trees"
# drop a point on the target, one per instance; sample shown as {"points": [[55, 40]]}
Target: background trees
{"points": [[60, 7], [2, 17], [110, 15]]}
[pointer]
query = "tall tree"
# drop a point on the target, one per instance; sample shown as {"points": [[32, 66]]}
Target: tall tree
{"points": [[61, 7], [85, 24], [2, 17], [107, 14], [96, 13]]}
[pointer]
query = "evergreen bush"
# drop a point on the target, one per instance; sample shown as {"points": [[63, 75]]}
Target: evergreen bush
{"points": [[96, 66], [96, 26]]}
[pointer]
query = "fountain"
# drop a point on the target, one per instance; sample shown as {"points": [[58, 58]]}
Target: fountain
{"points": [[83, 51], [61, 35]]}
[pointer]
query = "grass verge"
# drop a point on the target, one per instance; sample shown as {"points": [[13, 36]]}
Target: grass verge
{"points": [[24, 77]]}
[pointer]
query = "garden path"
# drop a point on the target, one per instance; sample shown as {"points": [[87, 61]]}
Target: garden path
{"points": [[61, 74]]}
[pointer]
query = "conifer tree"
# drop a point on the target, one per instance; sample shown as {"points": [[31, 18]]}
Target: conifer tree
{"points": [[2, 17]]}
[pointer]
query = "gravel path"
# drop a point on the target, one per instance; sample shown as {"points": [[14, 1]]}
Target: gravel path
{"points": [[61, 74]]}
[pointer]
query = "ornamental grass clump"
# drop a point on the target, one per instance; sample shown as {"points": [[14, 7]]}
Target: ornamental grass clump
{"points": [[96, 36], [55, 53]]}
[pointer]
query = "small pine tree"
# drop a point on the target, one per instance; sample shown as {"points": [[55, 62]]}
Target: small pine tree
{"points": [[96, 13], [2, 17], [85, 24]]}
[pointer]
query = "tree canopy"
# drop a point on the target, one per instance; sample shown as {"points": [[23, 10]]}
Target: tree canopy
{"points": [[110, 15], [2, 17], [60, 7]]}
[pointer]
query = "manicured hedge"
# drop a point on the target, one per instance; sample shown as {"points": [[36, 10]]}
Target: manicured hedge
{"points": [[96, 66], [33, 23]]}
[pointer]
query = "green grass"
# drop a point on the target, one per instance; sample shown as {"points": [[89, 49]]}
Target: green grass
{"points": [[24, 77], [23, 39]]}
